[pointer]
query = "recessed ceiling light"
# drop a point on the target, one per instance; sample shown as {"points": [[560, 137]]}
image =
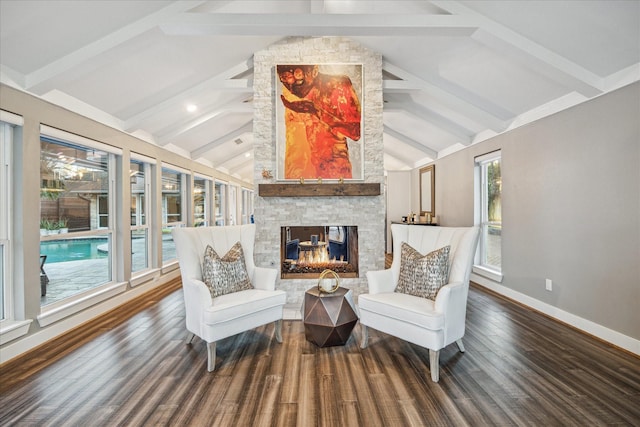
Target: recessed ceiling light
{"points": [[192, 108], [247, 154]]}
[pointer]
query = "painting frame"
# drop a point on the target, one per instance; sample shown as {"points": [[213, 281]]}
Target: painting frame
{"points": [[337, 154], [428, 190]]}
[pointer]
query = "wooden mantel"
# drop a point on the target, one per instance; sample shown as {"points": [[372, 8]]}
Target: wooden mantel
{"points": [[318, 190]]}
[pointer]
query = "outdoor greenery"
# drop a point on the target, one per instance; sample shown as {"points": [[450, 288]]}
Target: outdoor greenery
{"points": [[494, 184]]}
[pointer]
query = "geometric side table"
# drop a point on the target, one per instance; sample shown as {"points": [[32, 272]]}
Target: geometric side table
{"points": [[328, 318]]}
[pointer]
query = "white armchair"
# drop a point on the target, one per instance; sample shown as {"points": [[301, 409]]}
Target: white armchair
{"points": [[427, 323], [213, 319]]}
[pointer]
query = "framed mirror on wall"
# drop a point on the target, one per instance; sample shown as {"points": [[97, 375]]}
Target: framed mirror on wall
{"points": [[428, 190]]}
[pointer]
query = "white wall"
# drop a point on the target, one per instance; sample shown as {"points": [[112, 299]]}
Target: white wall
{"points": [[571, 208]]}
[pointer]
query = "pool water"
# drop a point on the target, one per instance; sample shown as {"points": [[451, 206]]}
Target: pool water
{"points": [[73, 250]]}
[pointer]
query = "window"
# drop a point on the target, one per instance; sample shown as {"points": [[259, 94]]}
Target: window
{"points": [[247, 206], [172, 208], [201, 201], [232, 204], [221, 202], [6, 138], [76, 221], [140, 189], [489, 211], [13, 325]]}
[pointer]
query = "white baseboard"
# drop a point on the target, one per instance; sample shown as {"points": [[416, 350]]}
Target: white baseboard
{"points": [[609, 335]]}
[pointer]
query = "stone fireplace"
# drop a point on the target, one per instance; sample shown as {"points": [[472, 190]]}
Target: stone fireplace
{"points": [[364, 212], [305, 252]]}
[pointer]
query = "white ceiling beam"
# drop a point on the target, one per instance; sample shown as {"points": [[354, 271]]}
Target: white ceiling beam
{"points": [[405, 103], [462, 106], [400, 159], [532, 55], [316, 6], [247, 127], [179, 127], [245, 161], [314, 24], [220, 160], [222, 81], [61, 65], [470, 97], [11, 77], [412, 142], [175, 129]]}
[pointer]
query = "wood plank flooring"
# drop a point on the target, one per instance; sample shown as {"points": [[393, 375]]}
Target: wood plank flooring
{"points": [[520, 368]]}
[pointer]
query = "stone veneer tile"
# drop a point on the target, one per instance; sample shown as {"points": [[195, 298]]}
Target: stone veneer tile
{"points": [[365, 212]]}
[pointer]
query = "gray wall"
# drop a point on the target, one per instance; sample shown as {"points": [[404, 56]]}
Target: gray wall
{"points": [[398, 201], [570, 208]]}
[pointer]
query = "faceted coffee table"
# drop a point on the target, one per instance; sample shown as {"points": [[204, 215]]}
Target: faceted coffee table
{"points": [[328, 318]]}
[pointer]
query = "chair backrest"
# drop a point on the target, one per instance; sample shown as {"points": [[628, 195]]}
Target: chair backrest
{"points": [[191, 243], [424, 239]]}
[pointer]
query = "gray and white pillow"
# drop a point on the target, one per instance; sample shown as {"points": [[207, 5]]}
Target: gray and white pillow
{"points": [[227, 274], [423, 275]]}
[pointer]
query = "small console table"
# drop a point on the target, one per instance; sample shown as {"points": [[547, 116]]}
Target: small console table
{"points": [[414, 223]]}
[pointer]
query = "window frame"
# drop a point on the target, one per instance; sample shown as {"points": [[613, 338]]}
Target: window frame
{"points": [[220, 203], [183, 177], [6, 197], [206, 216], [481, 214], [144, 219], [56, 310]]}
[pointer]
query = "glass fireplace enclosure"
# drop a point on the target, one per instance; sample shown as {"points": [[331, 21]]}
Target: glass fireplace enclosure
{"points": [[306, 251]]}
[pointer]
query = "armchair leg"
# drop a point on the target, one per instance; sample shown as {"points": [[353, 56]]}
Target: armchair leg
{"points": [[434, 365], [365, 336], [189, 338], [278, 327], [211, 356], [460, 346]]}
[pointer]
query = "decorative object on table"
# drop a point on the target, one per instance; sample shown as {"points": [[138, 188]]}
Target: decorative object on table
{"points": [[314, 239], [328, 318], [328, 285]]}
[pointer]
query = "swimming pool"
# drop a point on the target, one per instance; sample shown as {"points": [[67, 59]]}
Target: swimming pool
{"points": [[73, 249]]}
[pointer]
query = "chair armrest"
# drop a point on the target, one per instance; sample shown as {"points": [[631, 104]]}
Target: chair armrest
{"points": [[452, 302], [381, 281], [450, 294], [197, 298], [196, 292], [265, 278]]}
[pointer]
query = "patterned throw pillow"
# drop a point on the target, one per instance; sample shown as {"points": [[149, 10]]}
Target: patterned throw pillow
{"points": [[227, 274], [423, 275]]}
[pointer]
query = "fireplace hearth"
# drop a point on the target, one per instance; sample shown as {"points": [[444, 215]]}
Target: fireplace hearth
{"points": [[306, 251]]}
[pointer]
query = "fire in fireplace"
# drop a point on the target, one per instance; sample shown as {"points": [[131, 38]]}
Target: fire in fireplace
{"points": [[305, 252]]}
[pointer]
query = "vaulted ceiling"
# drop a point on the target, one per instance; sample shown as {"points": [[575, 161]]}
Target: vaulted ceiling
{"points": [[455, 72]]}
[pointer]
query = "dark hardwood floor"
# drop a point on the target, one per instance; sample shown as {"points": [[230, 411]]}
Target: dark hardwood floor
{"points": [[520, 368]]}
